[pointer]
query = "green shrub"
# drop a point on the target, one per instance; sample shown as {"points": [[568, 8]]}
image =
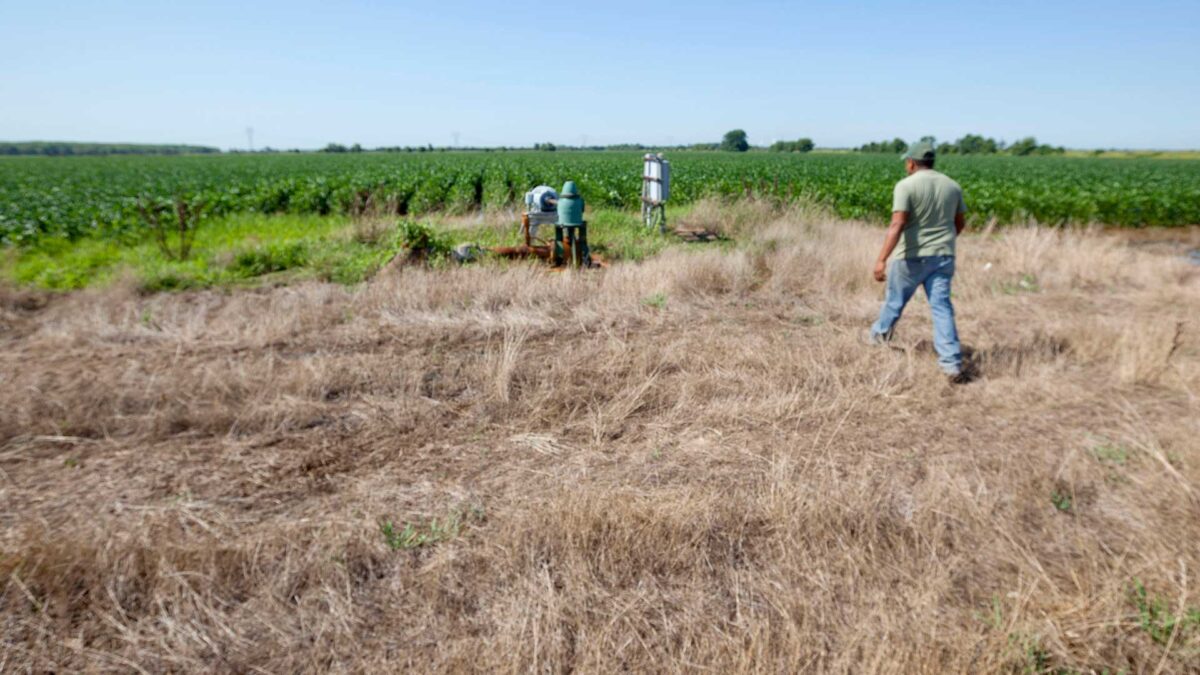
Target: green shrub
{"points": [[735, 141], [268, 258], [424, 242]]}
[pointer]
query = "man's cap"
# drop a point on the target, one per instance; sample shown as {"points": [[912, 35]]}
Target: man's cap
{"points": [[919, 150]]}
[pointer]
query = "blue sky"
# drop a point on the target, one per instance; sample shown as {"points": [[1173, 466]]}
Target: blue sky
{"points": [[1080, 74]]}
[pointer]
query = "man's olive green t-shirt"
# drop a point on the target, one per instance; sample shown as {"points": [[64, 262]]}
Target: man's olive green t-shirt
{"points": [[931, 200]]}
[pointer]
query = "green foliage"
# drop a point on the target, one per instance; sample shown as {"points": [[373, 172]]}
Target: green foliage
{"points": [[657, 301], [974, 144], [893, 147], [240, 249], [47, 199], [173, 225], [971, 144], [424, 242], [1158, 621], [802, 145], [268, 258], [735, 141], [1111, 453], [252, 249], [1061, 500], [416, 534], [68, 149], [1028, 654], [1029, 146], [619, 235], [59, 265], [1035, 659]]}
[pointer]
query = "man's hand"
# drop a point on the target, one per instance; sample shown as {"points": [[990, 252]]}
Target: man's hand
{"points": [[899, 222]]}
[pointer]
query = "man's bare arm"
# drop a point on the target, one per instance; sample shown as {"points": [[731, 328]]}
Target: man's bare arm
{"points": [[899, 222], [960, 223]]}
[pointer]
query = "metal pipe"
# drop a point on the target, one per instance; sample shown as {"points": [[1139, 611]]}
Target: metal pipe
{"points": [[542, 252]]}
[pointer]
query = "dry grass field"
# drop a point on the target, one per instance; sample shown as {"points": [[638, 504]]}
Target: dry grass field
{"points": [[689, 464]]}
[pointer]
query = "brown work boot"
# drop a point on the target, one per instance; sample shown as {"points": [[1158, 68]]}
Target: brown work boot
{"points": [[873, 339]]}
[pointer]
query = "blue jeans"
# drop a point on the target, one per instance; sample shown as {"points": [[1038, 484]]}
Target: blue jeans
{"points": [[934, 273]]}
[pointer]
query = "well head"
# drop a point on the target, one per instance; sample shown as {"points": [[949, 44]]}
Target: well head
{"points": [[570, 206]]}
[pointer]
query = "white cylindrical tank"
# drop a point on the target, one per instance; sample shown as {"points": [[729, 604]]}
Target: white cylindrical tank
{"points": [[656, 177], [652, 167]]}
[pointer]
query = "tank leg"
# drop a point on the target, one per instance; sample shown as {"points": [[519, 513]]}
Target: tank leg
{"points": [[585, 257]]}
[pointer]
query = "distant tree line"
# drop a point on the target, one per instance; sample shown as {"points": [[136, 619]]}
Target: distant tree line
{"points": [[737, 141], [1030, 146], [895, 146], [971, 144], [63, 148], [733, 141], [542, 147], [338, 147], [802, 145]]}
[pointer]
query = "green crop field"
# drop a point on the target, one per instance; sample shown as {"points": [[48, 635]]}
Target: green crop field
{"points": [[69, 198]]}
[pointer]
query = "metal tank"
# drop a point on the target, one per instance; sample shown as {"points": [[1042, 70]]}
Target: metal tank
{"points": [[570, 232]]}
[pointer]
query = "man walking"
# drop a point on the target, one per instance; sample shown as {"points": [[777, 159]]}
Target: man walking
{"points": [[927, 217]]}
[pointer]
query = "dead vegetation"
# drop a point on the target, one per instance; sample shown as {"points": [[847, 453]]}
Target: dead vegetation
{"points": [[687, 464]]}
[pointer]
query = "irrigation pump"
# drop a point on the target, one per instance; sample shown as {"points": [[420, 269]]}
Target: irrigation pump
{"points": [[570, 232], [656, 188], [564, 211]]}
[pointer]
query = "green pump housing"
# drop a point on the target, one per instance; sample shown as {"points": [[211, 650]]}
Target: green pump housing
{"points": [[570, 206], [570, 232]]}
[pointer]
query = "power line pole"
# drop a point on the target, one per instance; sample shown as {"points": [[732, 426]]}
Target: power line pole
{"points": [[250, 138]]}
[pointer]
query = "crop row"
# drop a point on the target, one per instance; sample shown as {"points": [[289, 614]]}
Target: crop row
{"points": [[74, 197]]}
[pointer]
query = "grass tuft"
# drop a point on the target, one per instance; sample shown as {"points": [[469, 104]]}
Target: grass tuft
{"points": [[1157, 620]]}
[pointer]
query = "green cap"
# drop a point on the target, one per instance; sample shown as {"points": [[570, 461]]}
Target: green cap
{"points": [[570, 206], [919, 150]]}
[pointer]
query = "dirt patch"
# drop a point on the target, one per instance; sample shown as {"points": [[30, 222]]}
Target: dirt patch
{"points": [[698, 236]]}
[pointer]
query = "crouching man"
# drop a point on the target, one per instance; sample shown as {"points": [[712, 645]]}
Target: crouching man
{"points": [[927, 217]]}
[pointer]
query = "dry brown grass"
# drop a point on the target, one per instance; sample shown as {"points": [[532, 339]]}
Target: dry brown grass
{"points": [[684, 465]]}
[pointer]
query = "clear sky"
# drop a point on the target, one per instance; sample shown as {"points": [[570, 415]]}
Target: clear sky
{"points": [[302, 74]]}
